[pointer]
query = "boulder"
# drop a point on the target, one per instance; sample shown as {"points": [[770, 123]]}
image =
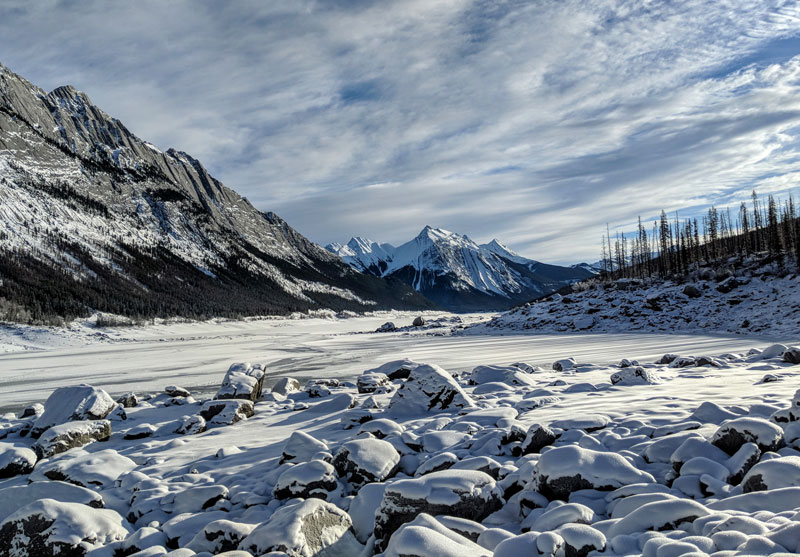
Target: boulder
{"points": [[426, 536], [242, 381], [381, 428], [464, 494], [538, 437], [363, 461], [300, 447], [429, 388], [315, 478], [728, 285], [32, 411], [792, 355], [387, 327], [565, 364], [185, 425], [396, 369], [49, 528], [691, 291], [773, 474], [66, 436], [510, 375], [226, 412], [369, 382], [140, 431], [564, 470], [15, 460], [97, 469], [128, 400], [667, 359], [419, 321], [580, 540], [195, 499], [634, 376], [66, 404], [305, 529], [175, 391], [732, 434], [220, 536], [286, 385], [16, 497]]}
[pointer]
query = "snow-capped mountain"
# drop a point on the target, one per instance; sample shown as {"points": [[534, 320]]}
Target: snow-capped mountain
{"points": [[93, 217], [457, 273]]}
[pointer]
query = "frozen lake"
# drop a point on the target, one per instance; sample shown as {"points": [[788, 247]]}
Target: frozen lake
{"points": [[196, 355]]}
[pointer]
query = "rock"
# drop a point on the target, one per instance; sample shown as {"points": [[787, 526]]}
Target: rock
{"points": [[175, 391], [583, 322], [300, 447], [510, 375], [429, 388], [426, 536], [538, 437], [564, 470], [32, 411], [773, 474], [66, 404], [464, 494], [634, 376], [97, 469], [773, 351], [362, 509], [742, 461], [128, 400], [732, 434], [15, 460], [558, 516], [658, 516], [315, 478], [396, 369], [242, 381], [49, 528], [667, 359], [792, 355], [356, 417], [580, 540], [565, 364], [220, 536], [381, 428], [363, 461], [728, 285], [226, 412], [419, 321], [305, 529], [195, 499], [317, 390], [692, 291], [387, 327], [16, 497], [185, 425], [369, 382], [70, 435], [285, 386], [139, 432]]}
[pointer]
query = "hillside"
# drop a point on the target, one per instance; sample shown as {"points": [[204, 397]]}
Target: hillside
{"points": [[94, 218]]}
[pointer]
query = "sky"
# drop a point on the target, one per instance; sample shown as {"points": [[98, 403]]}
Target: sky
{"points": [[535, 123]]}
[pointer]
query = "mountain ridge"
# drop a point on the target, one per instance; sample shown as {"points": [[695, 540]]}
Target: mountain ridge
{"points": [[456, 272], [140, 231]]}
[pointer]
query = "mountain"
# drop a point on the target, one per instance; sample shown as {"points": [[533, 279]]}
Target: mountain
{"points": [[94, 218], [456, 273]]}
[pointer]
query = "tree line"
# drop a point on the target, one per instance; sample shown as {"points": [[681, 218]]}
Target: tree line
{"points": [[674, 245]]}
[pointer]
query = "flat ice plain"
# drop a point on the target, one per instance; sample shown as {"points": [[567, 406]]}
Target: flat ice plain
{"points": [[195, 355]]}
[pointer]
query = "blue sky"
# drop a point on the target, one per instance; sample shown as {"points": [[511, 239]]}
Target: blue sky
{"points": [[532, 122]]}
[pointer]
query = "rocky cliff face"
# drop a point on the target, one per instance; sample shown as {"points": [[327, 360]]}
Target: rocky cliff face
{"points": [[128, 228]]}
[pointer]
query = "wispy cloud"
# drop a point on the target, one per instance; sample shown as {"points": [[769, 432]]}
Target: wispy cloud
{"points": [[533, 122]]}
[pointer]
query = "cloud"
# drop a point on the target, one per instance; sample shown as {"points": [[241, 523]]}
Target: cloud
{"points": [[535, 123]]}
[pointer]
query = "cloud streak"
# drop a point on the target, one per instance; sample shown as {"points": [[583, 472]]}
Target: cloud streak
{"points": [[535, 123]]}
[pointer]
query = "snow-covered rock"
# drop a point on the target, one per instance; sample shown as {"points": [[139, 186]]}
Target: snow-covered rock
{"points": [[16, 497], [363, 461], [773, 474], [659, 515], [15, 460], [63, 437], [286, 386], [84, 469], [510, 375], [370, 382], [429, 388], [301, 447], [140, 432], [305, 529], [220, 537], [396, 369], [242, 380], [176, 392], [315, 478], [226, 412], [732, 434], [465, 494], [564, 470], [537, 437], [565, 364], [426, 536], [79, 403], [634, 376], [49, 528]]}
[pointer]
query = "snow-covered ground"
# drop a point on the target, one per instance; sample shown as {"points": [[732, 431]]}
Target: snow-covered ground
{"points": [[145, 359]]}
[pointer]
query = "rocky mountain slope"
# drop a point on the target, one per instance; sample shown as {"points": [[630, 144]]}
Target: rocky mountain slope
{"points": [[91, 216], [756, 295], [457, 273]]}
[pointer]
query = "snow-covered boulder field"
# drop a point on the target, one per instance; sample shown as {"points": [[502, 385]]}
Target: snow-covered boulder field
{"points": [[686, 454]]}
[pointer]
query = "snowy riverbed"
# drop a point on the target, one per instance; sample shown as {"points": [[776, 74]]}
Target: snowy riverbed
{"points": [[145, 359]]}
